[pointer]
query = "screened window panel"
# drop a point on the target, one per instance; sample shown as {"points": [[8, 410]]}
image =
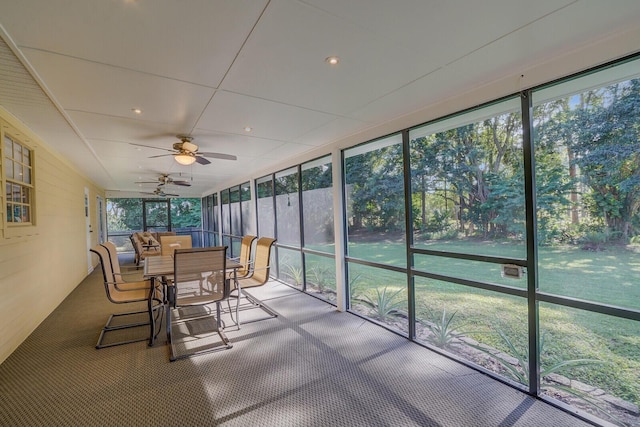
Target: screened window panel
{"points": [[317, 205], [374, 188], [225, 212], [266, 213], [587, 140], [467, 183], [320, 273], [485, 328], [590, 367], [380, 295], [245, 210], [290, 267], [287, 207]]}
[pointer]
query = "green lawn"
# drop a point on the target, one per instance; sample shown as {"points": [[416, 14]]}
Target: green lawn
{"points": [[609, 276]]}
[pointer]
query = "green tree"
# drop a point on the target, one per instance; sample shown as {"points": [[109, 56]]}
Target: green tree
{"points": [[431, 198], [124, 214], [469, 160], [377, 189], [609, 156], [186, 213], [600, 130], [317, 177]]}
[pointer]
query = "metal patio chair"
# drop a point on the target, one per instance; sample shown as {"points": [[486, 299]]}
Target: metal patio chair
{"points": [[258, 276], [199, 280], [142, 292]]}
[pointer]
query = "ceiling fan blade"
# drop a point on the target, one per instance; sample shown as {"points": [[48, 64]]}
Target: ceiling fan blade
{"points": [[202, 160], [146, 192], [160, 155], [183, 183], [171, 195], [219, 156], [145, 182], [150, 146]]}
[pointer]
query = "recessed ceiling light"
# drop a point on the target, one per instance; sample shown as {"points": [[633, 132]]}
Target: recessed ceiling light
{"points": [[332, 60], [136, 110], [248, 128]]}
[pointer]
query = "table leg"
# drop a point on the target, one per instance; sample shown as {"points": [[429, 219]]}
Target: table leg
{"points": [[170, 302], [152, 320]]}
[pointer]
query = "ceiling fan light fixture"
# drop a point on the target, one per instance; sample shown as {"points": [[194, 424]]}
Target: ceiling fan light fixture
{"points": [[189, 146], [185, 159]]}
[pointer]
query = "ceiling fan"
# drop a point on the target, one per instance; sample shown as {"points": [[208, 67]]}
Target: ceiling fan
{"points": [[186, 152], [160, 193], [165, 179]]}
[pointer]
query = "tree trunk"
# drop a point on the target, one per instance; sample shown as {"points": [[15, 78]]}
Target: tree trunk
{"points": [[574, 193], [424, 204]]}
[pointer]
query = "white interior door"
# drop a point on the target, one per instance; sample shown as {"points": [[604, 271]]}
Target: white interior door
{"points": [[102, 220], [88, 228]]}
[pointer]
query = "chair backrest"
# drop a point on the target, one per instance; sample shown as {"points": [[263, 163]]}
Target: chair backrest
{"points": [[135, 242], [159, 234], [200, 275], [107, 271], [168, 244], [245, 255], [113, 259], [262, 260]]}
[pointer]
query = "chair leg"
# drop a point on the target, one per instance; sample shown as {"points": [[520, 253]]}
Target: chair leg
{"points": [[227, 345], [109, 328], [263, 306], [169, 303], [157, 322], [258, 304], [237, 319], [223, 337]]}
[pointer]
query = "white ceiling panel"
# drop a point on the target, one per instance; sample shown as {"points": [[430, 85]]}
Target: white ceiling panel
{"points": [[122, 129], [113, 91], [531, 44], [283, 60], [231, 113], [506, 56], [195, 41], [333, 131], [284, 151], [442, 29], [243, 146]]}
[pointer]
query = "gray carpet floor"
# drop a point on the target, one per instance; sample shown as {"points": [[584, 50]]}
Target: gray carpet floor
{"points": [[310, 366]]}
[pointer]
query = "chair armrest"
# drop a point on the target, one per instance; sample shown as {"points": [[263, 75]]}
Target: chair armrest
{"points": [[119, 286], [237, 259], [123, 274], [252, 272]]}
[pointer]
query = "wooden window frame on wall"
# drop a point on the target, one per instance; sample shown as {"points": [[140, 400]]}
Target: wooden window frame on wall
{"points": [[16, 229]]}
